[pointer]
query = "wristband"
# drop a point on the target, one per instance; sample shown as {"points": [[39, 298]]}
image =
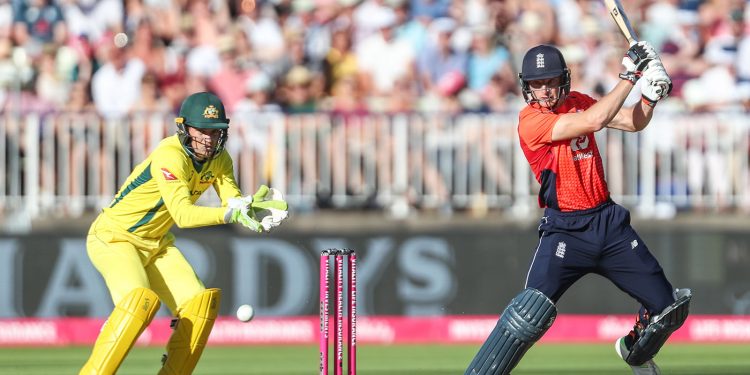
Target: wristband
{"points": [[631, 77], [647, 102]]}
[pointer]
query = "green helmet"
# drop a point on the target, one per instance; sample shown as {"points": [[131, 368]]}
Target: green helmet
{"points": [[202, 110]]}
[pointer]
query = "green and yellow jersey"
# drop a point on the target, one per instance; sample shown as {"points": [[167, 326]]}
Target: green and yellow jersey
{"points": [[162, 190]]}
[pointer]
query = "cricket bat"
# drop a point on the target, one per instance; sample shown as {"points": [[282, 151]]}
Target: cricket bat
{"points": [[614, 7]]}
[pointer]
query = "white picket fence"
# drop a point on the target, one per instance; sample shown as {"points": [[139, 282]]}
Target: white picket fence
{"points": [[67, 164]]}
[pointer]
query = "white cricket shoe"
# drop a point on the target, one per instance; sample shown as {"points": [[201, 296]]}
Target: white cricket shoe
{"points": [[647, 368]]}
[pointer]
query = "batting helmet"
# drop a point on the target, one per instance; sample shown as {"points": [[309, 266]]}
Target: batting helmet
{"points": [[202, 110], [543, 62]]}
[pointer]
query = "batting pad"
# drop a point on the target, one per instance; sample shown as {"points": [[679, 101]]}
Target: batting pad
{"points": [[661, 326], [524, 321], [127, 321], [192, 327]]}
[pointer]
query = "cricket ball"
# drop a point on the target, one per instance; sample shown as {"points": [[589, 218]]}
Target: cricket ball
{"points": [[245, 313]]}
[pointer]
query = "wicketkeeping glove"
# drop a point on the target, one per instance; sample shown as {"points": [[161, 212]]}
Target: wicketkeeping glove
{"points": [[238, 211], [656, 84], [269, 207], [262, 211], [636, 59]]}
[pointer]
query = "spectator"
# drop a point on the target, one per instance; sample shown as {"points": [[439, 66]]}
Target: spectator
{"points": [[440, 61], [368, 18], [383, 59], [94, 19], [430, 8], [262, 28], [295, 54], [297, 97], [116, 86], [258, 96], [174, 88], [485, 59], [314, 20], [346, 98], [224, 82], [50, 86], [409, 28], [79, 100], [35, 22], [378, 40], [341, 61], [150, 99], [6, 19], [203, 58]]}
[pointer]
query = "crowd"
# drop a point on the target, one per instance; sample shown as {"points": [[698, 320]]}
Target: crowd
{"points": [[350, 56]]}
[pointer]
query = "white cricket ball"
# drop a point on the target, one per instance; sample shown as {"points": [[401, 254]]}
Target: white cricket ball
{"points": [[121, 39], [245, 313]]}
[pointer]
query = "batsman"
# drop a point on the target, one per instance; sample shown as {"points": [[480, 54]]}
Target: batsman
{"points": [[583, 231], [131, 245]]}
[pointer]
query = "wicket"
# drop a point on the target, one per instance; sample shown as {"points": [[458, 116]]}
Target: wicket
{"points": [[343, 335]]}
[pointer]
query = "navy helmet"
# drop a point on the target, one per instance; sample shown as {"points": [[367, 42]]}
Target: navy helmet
{"points": [[543, 62]]}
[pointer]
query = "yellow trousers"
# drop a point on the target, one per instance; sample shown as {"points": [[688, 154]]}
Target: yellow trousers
{"points": [[127, 262]]}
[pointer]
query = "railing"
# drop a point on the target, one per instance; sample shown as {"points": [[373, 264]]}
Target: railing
{"points": [[66, 164]]}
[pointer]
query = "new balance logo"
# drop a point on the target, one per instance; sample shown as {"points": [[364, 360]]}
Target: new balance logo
{"points": [[560, 252], [540, 60]]}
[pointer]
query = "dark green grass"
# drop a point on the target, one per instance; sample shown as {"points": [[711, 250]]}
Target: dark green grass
{"points": [[569, 359]]}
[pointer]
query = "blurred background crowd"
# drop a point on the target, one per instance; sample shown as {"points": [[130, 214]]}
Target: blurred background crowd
{"points": [[350, 57]]}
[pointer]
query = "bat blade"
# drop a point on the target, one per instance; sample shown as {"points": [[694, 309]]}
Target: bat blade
{"points": [[614, 7]]}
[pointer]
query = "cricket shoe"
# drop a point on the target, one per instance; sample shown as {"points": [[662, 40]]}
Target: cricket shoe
{"points": [[647, 368]]}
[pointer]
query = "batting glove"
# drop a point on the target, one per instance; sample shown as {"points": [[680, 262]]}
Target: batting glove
{"points": [[656, 84], [636, 59]]}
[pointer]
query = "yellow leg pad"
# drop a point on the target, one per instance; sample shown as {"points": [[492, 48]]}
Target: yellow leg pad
{"points": [[127, 321], [194, 324]]}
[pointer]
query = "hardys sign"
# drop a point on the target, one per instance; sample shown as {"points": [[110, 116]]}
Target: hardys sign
{"points": [[432, 272], [52, 276]]}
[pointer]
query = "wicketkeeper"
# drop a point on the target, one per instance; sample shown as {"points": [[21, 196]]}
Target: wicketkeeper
{"points": [[131, 245], [583, 231]]}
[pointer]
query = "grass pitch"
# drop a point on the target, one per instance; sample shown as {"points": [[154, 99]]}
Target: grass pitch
{"points": [[543, 359]]}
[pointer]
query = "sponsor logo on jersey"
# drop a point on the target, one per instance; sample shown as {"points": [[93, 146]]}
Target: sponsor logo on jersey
{"points": [[169, 176], [579, 144], [583, 155]]}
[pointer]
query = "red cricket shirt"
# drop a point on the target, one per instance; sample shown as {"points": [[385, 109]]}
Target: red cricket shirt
{"points": [[570, 171]]}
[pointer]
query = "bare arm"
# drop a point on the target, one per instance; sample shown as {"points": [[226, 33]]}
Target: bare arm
{"points": [[633, 119], [596, 117]]}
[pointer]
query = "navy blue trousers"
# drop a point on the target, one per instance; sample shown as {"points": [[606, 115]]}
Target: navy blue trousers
{"points": [[600, 241]]}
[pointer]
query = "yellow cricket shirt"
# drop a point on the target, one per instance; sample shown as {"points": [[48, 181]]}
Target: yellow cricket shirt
{"points": [[162, 190]]}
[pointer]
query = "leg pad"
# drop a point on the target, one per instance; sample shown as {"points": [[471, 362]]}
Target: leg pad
{"points": [[191, 329], [648, 340], [524, 321], [127, 321]]}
